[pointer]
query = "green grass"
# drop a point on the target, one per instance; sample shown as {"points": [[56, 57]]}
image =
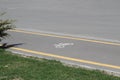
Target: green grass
{"points": [[16, 67]]}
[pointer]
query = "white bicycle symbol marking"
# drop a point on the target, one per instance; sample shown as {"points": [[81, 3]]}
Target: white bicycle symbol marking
{"points": [[63, 45]]}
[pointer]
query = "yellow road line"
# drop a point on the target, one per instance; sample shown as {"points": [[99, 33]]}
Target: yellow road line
{"points": [[66, 37], [67, 58]]}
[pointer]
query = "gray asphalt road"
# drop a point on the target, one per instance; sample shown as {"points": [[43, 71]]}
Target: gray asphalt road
{"points": [[103, 54], [98, 19]]}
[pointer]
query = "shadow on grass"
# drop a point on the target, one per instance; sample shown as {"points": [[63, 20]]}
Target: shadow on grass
{"points": [[6, 46]]}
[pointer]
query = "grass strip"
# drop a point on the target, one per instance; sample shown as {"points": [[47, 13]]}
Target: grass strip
{"points": [[16, 67]]}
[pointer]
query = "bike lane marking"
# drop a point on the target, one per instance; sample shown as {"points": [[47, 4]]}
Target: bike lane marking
{"points": [[66, 58], [67, 37]]}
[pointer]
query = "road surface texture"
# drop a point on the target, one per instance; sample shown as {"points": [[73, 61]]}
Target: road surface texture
{"points": [[98, 19], [89, 19], [78, 51]]}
